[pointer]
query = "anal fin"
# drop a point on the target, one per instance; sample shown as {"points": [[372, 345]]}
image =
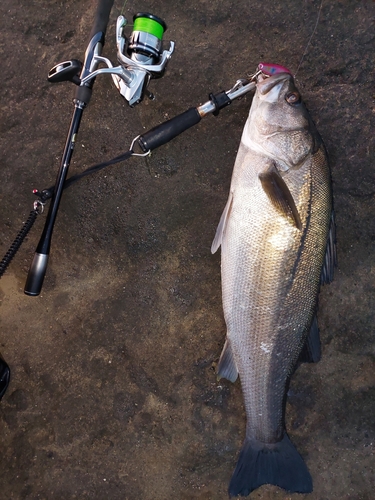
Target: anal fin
{"points": [[279, 195], [311, 351], [226, 367]]}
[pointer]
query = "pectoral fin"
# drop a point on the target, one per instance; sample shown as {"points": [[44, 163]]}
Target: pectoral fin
{"points": [[281, 198], [222, 223], [226, 367]]}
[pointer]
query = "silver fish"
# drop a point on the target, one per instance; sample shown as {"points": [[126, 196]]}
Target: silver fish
{"points": [[277, 246]]}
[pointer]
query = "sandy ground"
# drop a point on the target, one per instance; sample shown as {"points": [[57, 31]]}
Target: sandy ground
{"points": [[113, 391]]}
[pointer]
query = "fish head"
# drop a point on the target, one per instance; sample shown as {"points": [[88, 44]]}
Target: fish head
{"points": [[279, 124]]}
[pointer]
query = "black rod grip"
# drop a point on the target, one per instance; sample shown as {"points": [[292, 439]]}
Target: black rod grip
{"points": [[96, 43], [101, 16], [161, 134]]}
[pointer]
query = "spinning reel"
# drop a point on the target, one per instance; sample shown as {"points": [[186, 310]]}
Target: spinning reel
{"points": [[140, 56]]}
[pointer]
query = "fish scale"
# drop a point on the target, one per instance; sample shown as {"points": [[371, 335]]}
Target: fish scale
{"points": [[265, 276], [273, 235]]}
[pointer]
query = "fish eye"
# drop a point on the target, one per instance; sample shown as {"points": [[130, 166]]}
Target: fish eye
{"points": [[293, 98]]}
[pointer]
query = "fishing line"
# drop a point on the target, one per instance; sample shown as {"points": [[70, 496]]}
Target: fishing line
{"points": [[123, 8], [312, 34]]}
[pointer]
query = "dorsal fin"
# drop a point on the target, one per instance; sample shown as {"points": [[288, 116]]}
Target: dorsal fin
{"points": [[222, 223], [278, 193]]}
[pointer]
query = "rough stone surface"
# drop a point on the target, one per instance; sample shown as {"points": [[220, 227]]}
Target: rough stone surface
{"points": [[113, 391]]}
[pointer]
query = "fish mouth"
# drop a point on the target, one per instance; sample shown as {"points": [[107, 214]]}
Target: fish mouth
{"points": [[269, 87]]}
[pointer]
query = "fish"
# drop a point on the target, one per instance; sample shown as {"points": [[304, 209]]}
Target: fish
{"points": [[278, 245]]}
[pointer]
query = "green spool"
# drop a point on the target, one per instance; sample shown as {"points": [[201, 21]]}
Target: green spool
{"points": [[149, 24]]}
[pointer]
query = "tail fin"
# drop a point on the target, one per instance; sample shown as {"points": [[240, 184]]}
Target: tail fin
{"points": [[279, 464]]}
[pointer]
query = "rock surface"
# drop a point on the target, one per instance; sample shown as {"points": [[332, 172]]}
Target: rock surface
{"points": [[113, 391]]}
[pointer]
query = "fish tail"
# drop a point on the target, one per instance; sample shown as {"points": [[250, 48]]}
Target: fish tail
{"points": [[278, 463]]}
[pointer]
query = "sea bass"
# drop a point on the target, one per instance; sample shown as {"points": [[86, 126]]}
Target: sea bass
{"points": [[277, 246]]}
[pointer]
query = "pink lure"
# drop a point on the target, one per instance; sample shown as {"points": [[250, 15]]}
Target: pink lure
{"points": [[272, 69]]}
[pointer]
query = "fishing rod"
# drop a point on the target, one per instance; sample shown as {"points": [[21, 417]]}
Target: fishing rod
{"points": [[68, 71], [141, 58]]}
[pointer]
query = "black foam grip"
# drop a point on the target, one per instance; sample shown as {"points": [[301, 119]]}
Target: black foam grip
{"points": [[161, 134], [101, 16]]}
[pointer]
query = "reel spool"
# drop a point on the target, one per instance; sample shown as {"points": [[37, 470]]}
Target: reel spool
{"points": [[140, 55], [145, 42]]}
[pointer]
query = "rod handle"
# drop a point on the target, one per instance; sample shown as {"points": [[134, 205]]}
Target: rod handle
{"points": [[101, 18], [94, 47], [163, 133]]}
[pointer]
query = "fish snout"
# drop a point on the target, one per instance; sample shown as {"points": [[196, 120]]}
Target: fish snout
{"points": [[269, 88]]}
